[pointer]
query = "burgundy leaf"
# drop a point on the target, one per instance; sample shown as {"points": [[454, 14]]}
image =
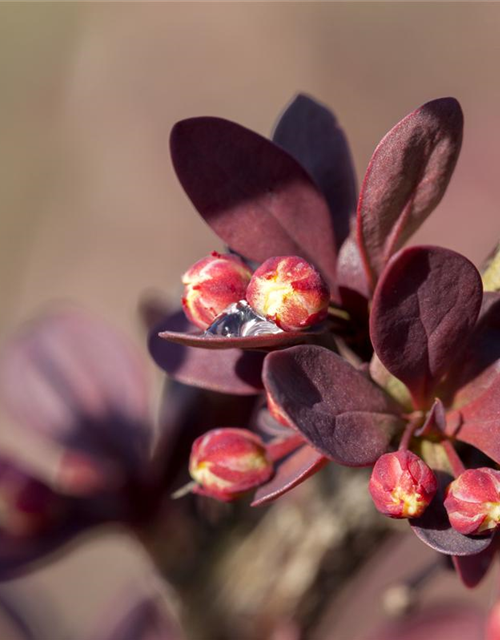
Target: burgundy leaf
{"points": [[310, 132], [479, 366], [290, 472], [406, 179], [228, 371], [76, 381], [435, 530], [217, 343], [472, 569], [424, 308], [254, 195], [337, 409]]}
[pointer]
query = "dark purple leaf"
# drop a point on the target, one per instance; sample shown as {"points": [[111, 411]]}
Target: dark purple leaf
{"points": [[291, 471], [310, 132], [228, 371], [424, 308], [78, 382], [472, 569], [435, 530], [138, 617], [406, 179], [479, 366], [439, 622], [337, 409], [253, 194]]}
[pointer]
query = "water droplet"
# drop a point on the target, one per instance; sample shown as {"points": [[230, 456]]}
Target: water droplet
{"points": [[240, 320]]}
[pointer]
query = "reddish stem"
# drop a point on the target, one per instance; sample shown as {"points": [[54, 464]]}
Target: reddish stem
{"points": [[412, 425], [457, 466]]}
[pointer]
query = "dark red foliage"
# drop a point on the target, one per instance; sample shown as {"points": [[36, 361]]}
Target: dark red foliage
{"points": [[406, 179], [254, 195]]}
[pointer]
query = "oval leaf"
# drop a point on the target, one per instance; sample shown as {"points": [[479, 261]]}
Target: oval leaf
{"points": [[406, 179], [228, 370], [337, 409], [310, 132], [291, 471], [254, 195], [424, 308], [435, 530]]}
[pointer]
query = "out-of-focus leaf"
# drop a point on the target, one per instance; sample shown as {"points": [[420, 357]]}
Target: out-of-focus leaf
{"points": [[406, 179], [291, 471], [142, 617], [440, 622], [424, 308], [337, 409], [472, 569], [254, 195], [75, 380], [435, 530], [228, 370], [491, 271], [310, 132], [20, 555]]}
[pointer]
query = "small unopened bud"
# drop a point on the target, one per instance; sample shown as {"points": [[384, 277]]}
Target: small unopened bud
{"points": [[211, 285], [473, 501], [402, 485], [225, 463], [27, 506], [290, 292]]}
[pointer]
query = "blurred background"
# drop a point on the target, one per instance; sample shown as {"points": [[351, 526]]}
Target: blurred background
{"points": [[90, 209]]}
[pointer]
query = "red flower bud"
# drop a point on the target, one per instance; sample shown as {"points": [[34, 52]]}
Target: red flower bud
{"points": [[473, 501], [211, 285], [402, 485], [289, 291], [228, 462]]}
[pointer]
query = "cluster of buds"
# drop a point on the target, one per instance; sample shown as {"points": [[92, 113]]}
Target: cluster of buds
{"points": [[286, 290], [402, 485], [226, 463]]}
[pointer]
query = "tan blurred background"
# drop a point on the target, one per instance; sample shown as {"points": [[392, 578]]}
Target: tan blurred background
{"points": [[89, 206]]}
